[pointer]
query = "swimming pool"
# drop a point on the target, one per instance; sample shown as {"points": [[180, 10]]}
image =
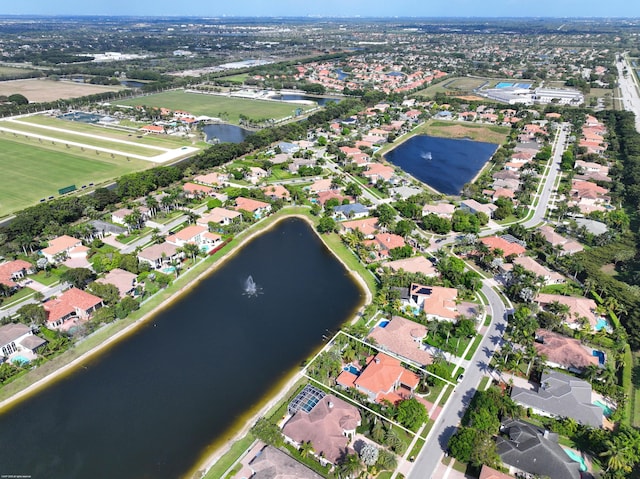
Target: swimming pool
{"points": [[606, 410], [19, 360], [351, 369], [602, 324], [168, 270], [576, 457], [504, 84], [600, 355], [383, 324]]}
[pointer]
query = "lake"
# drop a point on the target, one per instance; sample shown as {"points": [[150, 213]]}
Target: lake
{"points": [[445, 164], [225, 133], [150, 406]]}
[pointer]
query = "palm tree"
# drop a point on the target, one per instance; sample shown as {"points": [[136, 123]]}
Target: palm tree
{"points": [[350, 467], [306, 448], [191, 250]]}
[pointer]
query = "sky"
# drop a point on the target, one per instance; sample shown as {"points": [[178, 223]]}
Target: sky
{"points": [[328, 8]]}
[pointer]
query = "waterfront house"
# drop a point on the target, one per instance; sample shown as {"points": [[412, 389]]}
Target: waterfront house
{"points": [[123, 280], [368, 227], [160, 255], [437, 302], [219, 215], [18, 338], [403, 338], [416, 264], [268, 462], [350, 211], [195, 234], [70, 307], [383, 243], [258, 208], [383, 379], [325, 421]]}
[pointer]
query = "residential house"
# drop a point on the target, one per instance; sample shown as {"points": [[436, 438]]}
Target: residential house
{"points": [[416, 264], [193, 190], [62, 246], [194, 234], [321, 185], [436, 301], [507, 247], [125, 281], [219, 215], [564, 245], [350, 211], [258, 208], [13, 271], [213, 179], [581, 310], [323, 420], [385, 242], [533, 450], [489, 473], [269, 462], [70, 307], [530, 264], [378, 172], [18, 338], [255, 175], [160, 255], [276, 192], [562, 396], [472, 206], [588, 196], [119, 216], [382, 379], [443, 210], [563, 352], [152, 129], [403, 338], [299, 162], [368, 227]]}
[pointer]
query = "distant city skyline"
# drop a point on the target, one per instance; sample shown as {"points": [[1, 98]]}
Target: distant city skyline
{"points": [[329, 8]]}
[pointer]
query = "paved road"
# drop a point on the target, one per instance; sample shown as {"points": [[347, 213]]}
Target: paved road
{"points": [[629, 89], [431, 454]]}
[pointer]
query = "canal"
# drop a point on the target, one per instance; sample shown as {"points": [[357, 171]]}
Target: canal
{"points": [[150, 405]]}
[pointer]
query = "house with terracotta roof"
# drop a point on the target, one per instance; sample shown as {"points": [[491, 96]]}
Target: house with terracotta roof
{"points": [[588, 196], [564, 352], [213, 179], [219, 215], [70, 307], [258, 208], [415, 264], [255, 175], [403, 338], [580, 309], [508, 248], [541, 271], [119, 216], [62, 245], [367, 226], [276, 192], [437, 302], [443, 210], [193, 190], [567, 246], [378, 172], [152, 129], [194, 234], [320, 186], [125, 281], [18, 338], [160, 255], [489, 473], [325, 196], [327, 424], [382, 243], [13, 271], [383, 379]]}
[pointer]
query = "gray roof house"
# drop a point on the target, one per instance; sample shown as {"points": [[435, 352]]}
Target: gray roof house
{"points": [[561, 395], [531, 449], [270, 463], [350, 211]]}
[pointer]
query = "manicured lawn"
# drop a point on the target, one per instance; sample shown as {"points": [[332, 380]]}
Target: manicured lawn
{"points": [[234, 78], [474, 346], [31, 172], [353, 263], [219, 106], [226, 461]]}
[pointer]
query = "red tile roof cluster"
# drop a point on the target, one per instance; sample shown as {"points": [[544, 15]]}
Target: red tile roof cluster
{"points": [[72, 300]]}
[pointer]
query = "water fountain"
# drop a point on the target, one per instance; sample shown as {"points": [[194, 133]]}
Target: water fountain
{"points": [[250, 287]]}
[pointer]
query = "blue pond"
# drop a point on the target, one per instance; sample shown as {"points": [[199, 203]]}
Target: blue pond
{"points": [[578, 458], [81, 116], [444, 164], [599, 354], [225, 133]]}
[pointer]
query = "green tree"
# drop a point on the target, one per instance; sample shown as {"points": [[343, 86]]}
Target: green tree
{"points": [[268, 432], [78, 277], [326, 225], [32, 313], [108, 292], [411, 414]]}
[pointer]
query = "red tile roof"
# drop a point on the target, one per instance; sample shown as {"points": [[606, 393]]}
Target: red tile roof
{"points": [[70, 301], [495, 242]]}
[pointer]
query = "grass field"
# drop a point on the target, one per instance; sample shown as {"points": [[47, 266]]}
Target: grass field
{"points": [[127, 134], [228, 108], [31, 172], [11, 72], [40, 90], [239, 79]]}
